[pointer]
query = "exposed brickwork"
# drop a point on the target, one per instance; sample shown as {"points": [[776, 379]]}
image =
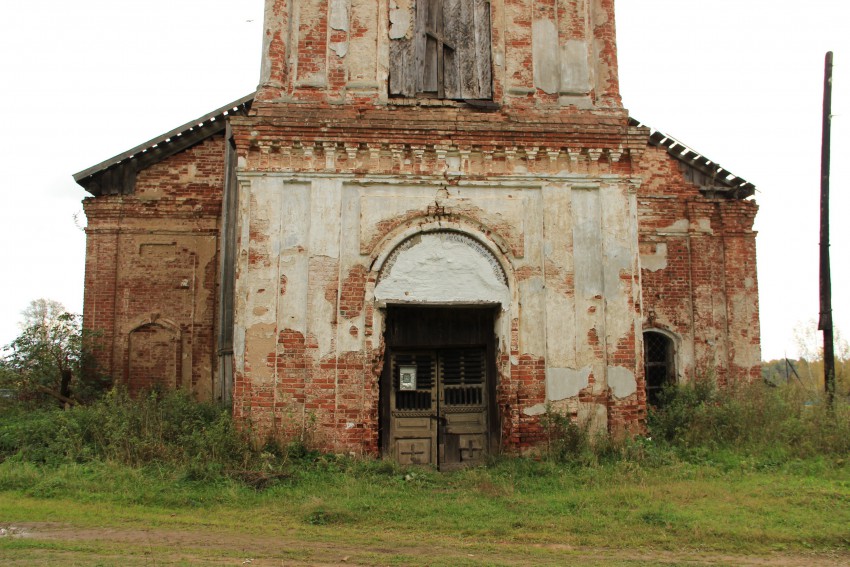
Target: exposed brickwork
{"points": [[353, 293], [332, 172], [307, 59], [151, 264], [700, 281]]}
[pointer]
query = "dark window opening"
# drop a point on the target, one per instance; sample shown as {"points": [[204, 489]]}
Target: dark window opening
{"points": [[659, 365], [447, 55]]}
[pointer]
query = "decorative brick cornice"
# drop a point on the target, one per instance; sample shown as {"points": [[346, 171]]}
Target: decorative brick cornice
{"points": [[459, 159]]}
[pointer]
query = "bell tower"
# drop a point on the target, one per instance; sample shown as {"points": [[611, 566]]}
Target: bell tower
{"points": [[398, 157], [513, 53]]}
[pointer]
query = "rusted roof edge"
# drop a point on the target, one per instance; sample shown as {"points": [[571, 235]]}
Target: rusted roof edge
{"points": [[240, 105], [740, 187]]}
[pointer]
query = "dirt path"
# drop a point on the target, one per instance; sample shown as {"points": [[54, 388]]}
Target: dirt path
{"points": [[61, 544]]}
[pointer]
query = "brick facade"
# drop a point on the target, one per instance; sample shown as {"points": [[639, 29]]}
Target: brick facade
{"points": [[586, 230], [698, 272], [151, 271]]}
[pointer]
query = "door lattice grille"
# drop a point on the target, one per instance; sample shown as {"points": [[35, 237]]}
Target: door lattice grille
{"points": [[462, 367], [462, 375]]}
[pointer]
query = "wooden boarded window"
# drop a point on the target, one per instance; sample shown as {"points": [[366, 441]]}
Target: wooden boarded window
{"points": [[445, 52]]}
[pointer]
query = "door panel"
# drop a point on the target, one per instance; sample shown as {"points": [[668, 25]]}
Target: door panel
{"points": [[441, 416], [413, 421], [413, 451]]}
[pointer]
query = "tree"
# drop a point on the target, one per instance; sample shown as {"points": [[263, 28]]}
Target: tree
{"points": [[43, 313], [810, 365], [51, 356]]}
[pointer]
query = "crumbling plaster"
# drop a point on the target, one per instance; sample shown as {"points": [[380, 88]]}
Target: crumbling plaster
{"points": [[442, 268], [561, 54], [281, 242], [599, 235]]}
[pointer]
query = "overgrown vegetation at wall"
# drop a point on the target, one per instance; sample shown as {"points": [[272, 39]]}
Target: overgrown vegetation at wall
{"points": [[745, 473], [752, 470], [697, 423], [789, 422], [158, 428], [196, 440]]}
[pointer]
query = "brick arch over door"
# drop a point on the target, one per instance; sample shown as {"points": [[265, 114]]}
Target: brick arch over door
{"points": [[154, 356]]}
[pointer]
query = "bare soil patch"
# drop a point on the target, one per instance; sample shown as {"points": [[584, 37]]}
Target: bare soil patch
{"points": [[52, 544]]}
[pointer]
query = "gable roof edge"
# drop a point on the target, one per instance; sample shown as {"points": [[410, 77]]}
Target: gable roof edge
{"points": [[723, 181], [162, 146]]}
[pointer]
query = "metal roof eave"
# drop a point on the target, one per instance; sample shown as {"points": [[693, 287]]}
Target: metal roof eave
{"points": [[737, 187], [211, 123]]}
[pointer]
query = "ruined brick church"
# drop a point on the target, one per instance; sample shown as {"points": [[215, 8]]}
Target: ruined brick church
{"points": [[433, 221]]}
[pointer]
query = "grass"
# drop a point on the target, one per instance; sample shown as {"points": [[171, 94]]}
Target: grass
{"points": [[721, 478], [798, 507]]}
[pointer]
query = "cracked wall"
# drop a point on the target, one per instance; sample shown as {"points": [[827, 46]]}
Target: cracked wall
{"points": [[151, 274], [562, 236], [699, 279]]}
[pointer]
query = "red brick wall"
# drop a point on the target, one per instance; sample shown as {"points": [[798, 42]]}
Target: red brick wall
{"points": [[707, 292], [152, 262]]}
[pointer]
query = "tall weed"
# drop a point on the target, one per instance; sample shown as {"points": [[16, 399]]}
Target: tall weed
{"points": [[698, 422], [783, 422], [160, 428]]}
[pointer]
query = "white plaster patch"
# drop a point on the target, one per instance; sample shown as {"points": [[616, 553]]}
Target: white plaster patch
{"points": [[622, 381], [657, 261], [587, 243], [563, 383], [399, 19], [704, 225], [239, 347], [575, 73], [539, 409], [600, 15], [340, 48], [338, 18], [544, 47], [618, 260], [443, 269]]}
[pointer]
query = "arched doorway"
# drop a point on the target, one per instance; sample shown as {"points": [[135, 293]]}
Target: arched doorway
{"points": [[660, 364], [153, 358], [443, 291]]}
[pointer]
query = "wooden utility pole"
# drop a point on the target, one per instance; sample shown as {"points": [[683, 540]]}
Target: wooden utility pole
{"points": [[825, 319]]}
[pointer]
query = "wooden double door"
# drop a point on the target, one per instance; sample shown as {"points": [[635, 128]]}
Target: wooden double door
{"points": [[438, 387]]}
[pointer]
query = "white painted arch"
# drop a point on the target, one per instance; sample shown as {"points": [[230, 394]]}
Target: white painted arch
{"points": [[442, 267]]}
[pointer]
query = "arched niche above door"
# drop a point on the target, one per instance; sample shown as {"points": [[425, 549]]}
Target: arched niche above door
{"points": [[442, 268]]}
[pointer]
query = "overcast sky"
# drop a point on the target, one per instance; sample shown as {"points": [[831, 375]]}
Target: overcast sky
{"points": [[740, 81]]}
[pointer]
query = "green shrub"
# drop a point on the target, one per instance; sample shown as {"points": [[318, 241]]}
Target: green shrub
{"points": [[566, 440], [749, 426], [161, 428], [776, 423]]}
